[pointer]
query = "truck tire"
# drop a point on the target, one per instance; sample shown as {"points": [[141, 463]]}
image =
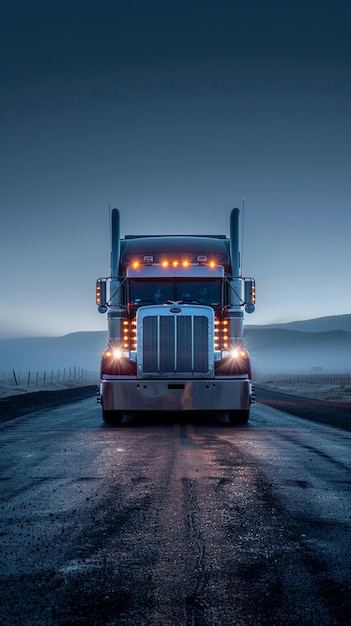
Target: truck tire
{"points": [[112, 417], [239, 417]]}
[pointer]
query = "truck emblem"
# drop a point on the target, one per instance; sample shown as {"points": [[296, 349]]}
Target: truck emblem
{"points": [[175, 309]]}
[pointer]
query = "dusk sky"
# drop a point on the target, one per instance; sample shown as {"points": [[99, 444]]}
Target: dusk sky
{"points": [[173, 111]]}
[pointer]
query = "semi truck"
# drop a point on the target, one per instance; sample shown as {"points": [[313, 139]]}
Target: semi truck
{"points": [[175, 314]]}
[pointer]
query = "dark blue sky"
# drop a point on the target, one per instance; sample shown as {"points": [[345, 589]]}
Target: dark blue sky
{"points": [[173, 111]]}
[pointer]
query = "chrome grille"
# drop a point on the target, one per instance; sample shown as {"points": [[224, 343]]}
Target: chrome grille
{"points": [[175, 344]]}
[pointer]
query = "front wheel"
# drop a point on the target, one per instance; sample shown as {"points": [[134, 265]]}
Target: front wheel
{"points": [[112, 417], [239, 417]]}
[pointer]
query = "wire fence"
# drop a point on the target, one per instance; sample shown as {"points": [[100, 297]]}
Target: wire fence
{"points": [[79, 375], [34, 378]]}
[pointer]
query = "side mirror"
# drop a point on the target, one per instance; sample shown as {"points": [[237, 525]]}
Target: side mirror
{"points": [[250, 295], [101, 295]]}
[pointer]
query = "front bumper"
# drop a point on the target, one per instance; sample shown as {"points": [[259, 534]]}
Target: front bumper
{"points": [[176, 394]]}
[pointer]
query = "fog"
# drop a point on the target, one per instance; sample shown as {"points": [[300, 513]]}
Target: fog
{"points": [[44, 354], [275, 350], [272, 350]]}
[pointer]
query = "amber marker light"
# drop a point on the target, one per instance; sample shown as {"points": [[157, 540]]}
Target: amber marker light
{"points": [[98, 294]]}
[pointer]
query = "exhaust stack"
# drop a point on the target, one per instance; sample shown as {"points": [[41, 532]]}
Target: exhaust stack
{"points": [[235, 312], [234, 242], [115, 243], [116, 312]]}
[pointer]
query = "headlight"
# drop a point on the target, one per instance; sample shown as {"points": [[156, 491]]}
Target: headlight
{"points": [[235, 353], [116, 353]]}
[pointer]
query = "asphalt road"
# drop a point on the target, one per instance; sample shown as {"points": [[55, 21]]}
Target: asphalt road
{"points": [[174, 522]]}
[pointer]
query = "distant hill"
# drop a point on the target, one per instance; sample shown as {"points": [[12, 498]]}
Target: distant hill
{"points": [[296, 346], [317, 325], [82, 349], [279, 350]]}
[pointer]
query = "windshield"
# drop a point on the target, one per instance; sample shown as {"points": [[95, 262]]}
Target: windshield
{"points": [[159, 291]]}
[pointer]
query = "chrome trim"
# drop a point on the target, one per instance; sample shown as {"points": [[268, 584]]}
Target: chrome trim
{"points": [[181, 394]]}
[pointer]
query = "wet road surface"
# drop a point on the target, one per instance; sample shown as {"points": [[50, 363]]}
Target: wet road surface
{"points": [[174, 522]]}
